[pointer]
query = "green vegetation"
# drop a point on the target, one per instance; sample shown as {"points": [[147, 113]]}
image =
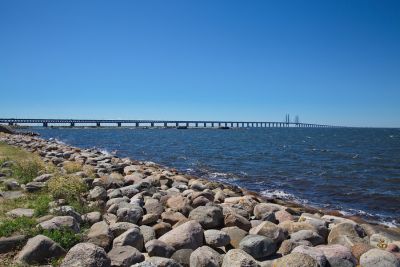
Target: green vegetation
{"points": [[21, 225], [72, 167], [40, 203], [65, 237], [27, 170], [68, 187]]}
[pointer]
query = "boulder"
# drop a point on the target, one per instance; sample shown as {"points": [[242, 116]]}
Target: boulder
{"points": [[118, 228], [98, 193], [148, 233], [314, 252], [86, 255], [91, 217], [161, 228], [60, 222], [180, 204], [265, 211], [153, 206], [258, 246], [158, 248], [338, 255], [150, 219], [296, 260], [43, 177], [66, 211], [132, 214], [163, 262], [308, 235], [172, 217], [182, 256], [40, 249], [283, 216], [132, 237], [188, 235], [125, 256], [235, 234], [270, 230], [34, 186], [346, 234], [216, 238], [10, 243], [100, 235], [208, 216], [238, 258], [234, 219], [377, 257], [360, 248], [205, 257], [20, 212]]}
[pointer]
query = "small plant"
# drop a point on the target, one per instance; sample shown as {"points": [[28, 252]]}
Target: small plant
{"points": [[26, 170], [72, 167], [65, 237], [21, 225], [68, 187], [89, 170], [40, 204]]}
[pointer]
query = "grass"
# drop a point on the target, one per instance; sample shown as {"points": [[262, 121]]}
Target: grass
{"points": [[72, 167], [65, 237], [21, 225]]}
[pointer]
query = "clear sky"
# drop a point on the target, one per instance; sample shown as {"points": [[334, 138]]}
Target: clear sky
{"points": [[335, 62]]}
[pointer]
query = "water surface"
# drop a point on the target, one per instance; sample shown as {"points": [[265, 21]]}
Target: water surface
{"points": [[353, 170]]}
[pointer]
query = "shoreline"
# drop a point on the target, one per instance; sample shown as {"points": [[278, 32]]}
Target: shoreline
{"points": [[179, 203]]}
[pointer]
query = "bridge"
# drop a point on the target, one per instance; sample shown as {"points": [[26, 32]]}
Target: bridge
{"points": [[162, 123]]}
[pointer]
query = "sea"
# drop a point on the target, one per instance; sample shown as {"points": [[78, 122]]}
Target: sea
{"points": [[353, 170]]}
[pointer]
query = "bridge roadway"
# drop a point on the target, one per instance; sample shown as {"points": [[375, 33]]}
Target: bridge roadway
{"points": [[164, 123]]}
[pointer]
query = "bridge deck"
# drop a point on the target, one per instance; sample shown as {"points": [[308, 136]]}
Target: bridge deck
{"points": [[164, 123]]}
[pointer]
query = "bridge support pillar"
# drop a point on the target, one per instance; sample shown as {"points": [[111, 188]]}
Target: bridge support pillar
{"points": [[137, 124], [219, 124], [72, 124], [212, 125], [165, 124], [45, 124], [152, 124], [98, 124], [196, 124], [187, 124], [119, 124], [10, 124], [177, 124], [205, 125]]}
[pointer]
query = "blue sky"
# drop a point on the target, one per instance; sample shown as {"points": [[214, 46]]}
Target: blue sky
{"points": [[335, 62]]}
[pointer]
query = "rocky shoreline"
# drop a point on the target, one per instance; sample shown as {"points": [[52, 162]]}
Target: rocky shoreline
{"points": [[150, 215]]}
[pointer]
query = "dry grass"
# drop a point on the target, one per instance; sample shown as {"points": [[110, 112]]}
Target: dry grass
{"points": [[72, 167], [68, 187]]}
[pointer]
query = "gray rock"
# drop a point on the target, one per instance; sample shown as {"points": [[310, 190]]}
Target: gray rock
{"points": [[125, 256], [205, 257], [163, 262], [100, 235], [91, 217], [148, 233], [66, 211], [265, 211], [132, 215], [307, 235], [296, 260], [118, 228], [188, 235], [40, 249], [346, 234], [43, 177], [10, 243], [132, 237], [11, 194], [150, 219], [98, 193], [270, 230], [235, 234], [20, 212], [234, 219], [216, 238], [238, 258], [129, 191], [11, 184], [314, 252], [258, 246], [338, 255], [182, 256], [158, 248], [153, 206], [377, 257], [287, 246], [60, 222], [34, 186], [208, 216], [144, 264], [86, 255]]}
